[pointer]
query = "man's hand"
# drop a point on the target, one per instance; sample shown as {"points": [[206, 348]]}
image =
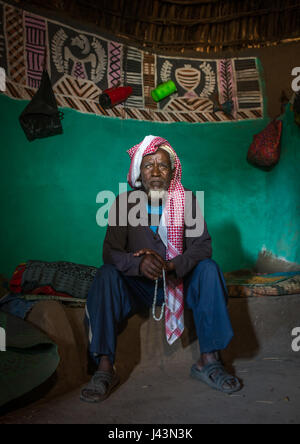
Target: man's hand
{"points": [[152, 264], [169, 266]]}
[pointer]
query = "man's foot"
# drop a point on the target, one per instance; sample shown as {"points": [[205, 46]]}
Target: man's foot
{"points": [[210, 369], [105, 365], [99, 387], [101, 384]]}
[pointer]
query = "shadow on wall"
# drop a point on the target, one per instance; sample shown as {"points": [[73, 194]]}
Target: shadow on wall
{"points": [[228, 249], [246, 343]]}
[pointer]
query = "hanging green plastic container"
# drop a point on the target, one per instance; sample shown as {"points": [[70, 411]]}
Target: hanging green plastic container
{"points": [[163, 90]]}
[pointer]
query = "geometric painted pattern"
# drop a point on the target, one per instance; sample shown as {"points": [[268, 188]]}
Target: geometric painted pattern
{"points": [[149, 79], [13, 29], [19, 91], [2, 40], [70, 87], [83, 64], [133, 76], [35, 32], [227, 82], [115, 64]]}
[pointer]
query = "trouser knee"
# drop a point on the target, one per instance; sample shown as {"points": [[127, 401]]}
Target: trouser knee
{"points": [[206, 266], [107, 271], [106, 277], [206, 285]]}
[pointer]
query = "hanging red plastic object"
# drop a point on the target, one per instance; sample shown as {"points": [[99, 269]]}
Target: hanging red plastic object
{"points": [[113, 96]]}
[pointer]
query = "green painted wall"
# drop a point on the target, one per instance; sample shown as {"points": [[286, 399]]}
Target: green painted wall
{"points": [[49, 187], [283, 196]]}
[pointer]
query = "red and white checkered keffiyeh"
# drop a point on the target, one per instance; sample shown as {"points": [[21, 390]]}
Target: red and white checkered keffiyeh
{"points": [[174, 218]]}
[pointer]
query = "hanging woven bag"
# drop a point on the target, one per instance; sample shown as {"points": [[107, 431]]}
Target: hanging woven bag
{"points": [[264, 151]]}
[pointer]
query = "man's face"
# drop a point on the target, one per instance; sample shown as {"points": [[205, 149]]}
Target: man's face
{"points": [[156, 171]]}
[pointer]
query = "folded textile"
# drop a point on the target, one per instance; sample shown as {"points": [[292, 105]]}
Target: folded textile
{"points": [[15, 282], [14, 304], [48, 290], [65, 279]]}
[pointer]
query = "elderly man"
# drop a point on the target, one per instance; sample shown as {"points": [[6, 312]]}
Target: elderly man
{"points": [[160, 264]]}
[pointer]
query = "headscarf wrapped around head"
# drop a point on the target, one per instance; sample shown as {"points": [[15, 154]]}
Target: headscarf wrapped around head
{"points": [[173, 218]]}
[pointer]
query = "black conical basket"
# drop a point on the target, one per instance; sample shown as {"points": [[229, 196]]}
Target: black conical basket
{"points": [[41, 117]]}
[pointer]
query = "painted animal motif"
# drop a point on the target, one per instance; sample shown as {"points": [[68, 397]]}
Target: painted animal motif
{"points": [[89, 64], [82, 43]]}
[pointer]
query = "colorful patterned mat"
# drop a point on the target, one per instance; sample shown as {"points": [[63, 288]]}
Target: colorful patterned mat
{"points": [[248, 284], [82, 64]]}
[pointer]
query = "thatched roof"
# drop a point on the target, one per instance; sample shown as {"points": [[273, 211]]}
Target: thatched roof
{"points": [[197, 25]]}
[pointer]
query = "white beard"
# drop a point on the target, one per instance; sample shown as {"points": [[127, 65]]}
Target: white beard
{"points": [[157, 196]]}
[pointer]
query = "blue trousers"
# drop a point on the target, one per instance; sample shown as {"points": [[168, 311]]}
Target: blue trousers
{"points": [[114, 297]]}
